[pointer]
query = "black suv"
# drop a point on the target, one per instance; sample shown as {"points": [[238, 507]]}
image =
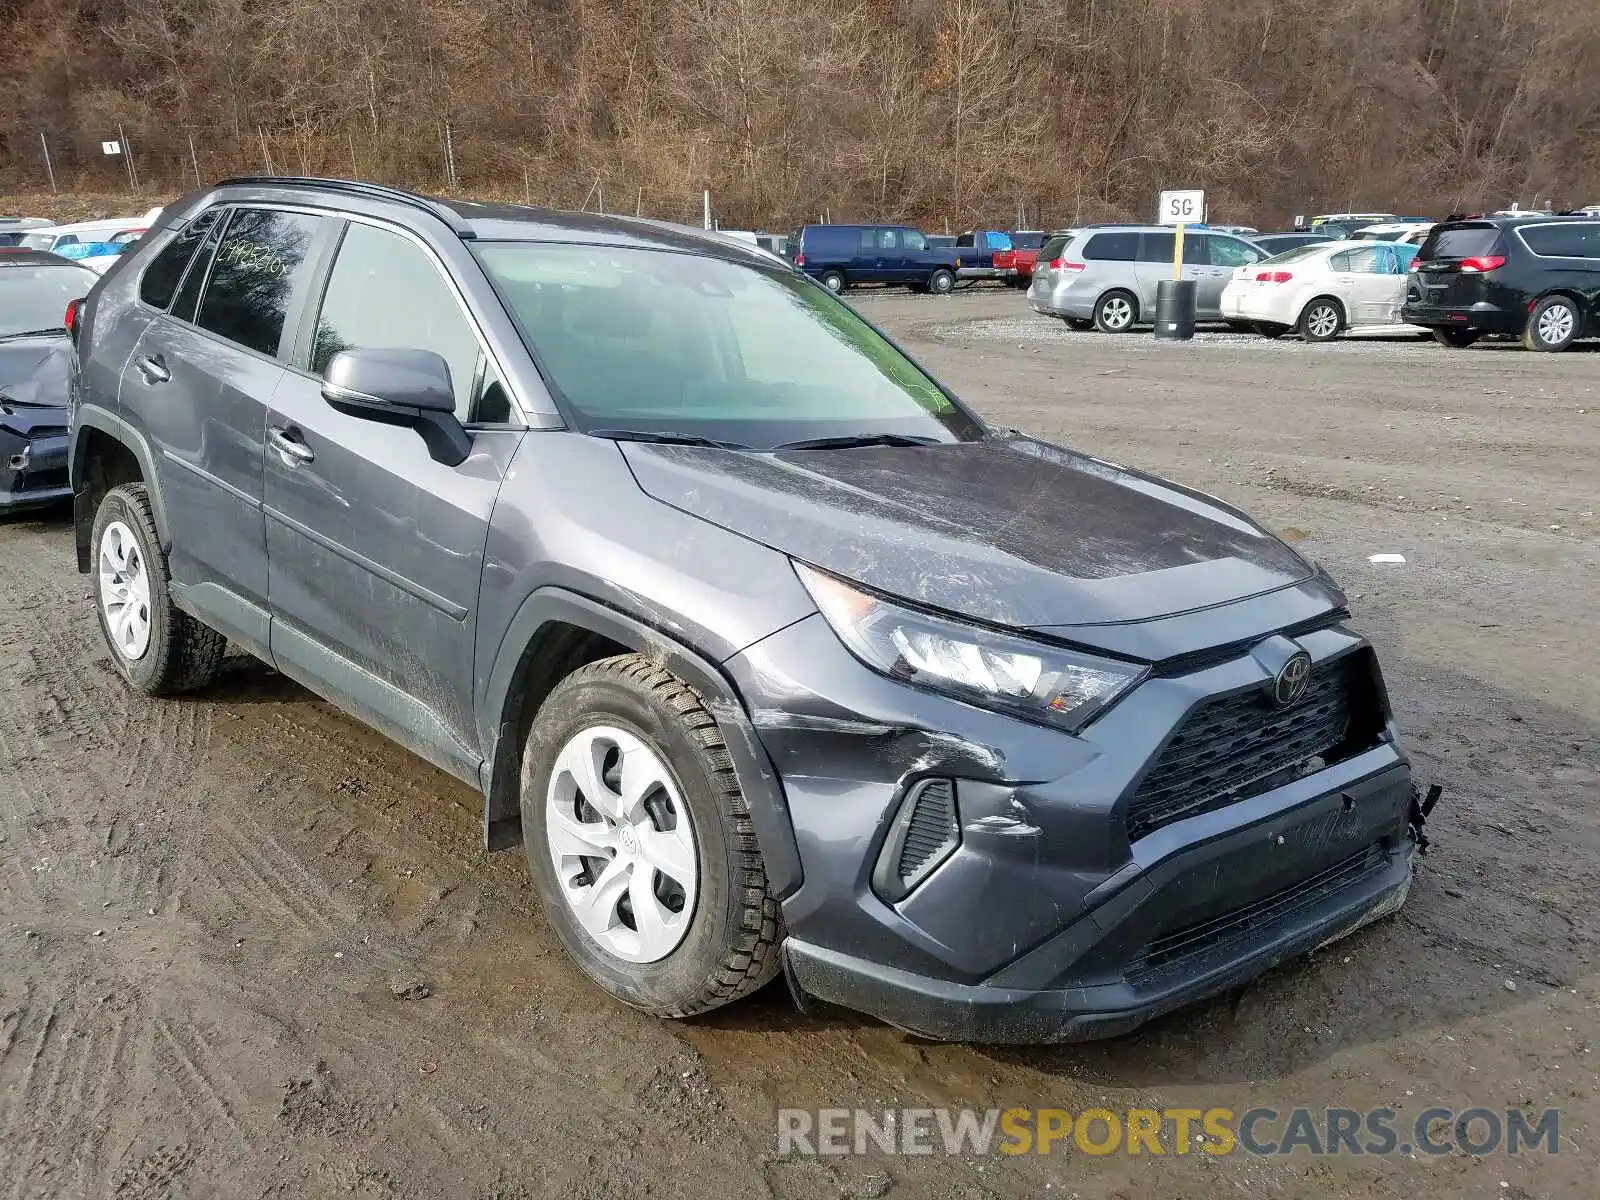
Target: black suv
{"points": [[1537, 278], [766, 649]]}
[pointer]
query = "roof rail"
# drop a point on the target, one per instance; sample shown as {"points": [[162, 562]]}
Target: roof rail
{"points": [[374, 191]]}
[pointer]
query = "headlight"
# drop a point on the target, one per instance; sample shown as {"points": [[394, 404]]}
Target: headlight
{"points": [[1041, 683]]}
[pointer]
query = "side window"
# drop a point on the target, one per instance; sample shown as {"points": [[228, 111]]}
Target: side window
{"points": [[869, 241], [188, 298], [161, 277], [887, 239], [966, 242], [1197, 249], [1115, 247], [253, 275], [1156, 247], [1340, 263], [912, 239], [1363, 261], [67, 239], [386, 293], [1231, 252], [1555, 241]]}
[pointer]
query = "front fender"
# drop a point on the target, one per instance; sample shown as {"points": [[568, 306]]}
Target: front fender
{"points": [[769, 810]]}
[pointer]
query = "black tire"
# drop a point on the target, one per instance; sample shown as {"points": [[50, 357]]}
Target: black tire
{"points": [[182, 654], [941, 282], [1079, 324], [1456, 339], [1553, 325], [731, 946], [1315, 324], [1240, 326], [834, 281], [1116, 303], [1270, 329]]}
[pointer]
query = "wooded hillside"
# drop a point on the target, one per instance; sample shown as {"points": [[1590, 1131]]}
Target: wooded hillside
{"points": [[957, 111]]}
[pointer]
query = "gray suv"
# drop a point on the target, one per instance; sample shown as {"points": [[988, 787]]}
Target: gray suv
{"points": [[1105, 277], [769, 653]]}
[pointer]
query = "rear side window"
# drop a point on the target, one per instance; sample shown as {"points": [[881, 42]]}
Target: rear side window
{"points": [[1159, 247], [1461, 241], [1564, 241], [913, 239], [188, 298], [161, 277], [259, 260], [1115, 247]]}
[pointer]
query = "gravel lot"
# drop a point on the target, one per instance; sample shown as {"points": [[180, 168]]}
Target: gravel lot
{"points": [[248, 948]]}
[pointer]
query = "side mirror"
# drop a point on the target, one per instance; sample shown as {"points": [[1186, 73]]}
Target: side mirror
{"points": [[400, 387]]}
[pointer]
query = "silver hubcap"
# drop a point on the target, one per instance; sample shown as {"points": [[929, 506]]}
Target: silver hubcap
{"points": [[1555, 324], [124, 591], [941, 283], [835, 284], [622, 843], [1116, 313], [1323, 321]]}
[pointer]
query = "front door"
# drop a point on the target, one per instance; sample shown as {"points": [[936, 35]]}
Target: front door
{"points": [[375, 549], [1224, 255]]}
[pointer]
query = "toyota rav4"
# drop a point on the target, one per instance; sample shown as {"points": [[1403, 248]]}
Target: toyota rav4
{"points": [[769, 652]]}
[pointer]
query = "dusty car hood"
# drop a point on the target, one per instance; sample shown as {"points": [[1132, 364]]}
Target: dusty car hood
{"points": [[35, 373], [1008, 530]]}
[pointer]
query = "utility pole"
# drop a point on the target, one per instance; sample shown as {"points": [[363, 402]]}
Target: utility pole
{"points": [[127, 156], [194, 161], [49, 168]]}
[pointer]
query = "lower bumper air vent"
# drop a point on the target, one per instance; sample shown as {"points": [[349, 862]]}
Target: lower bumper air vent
{"points": [[926, 831]]}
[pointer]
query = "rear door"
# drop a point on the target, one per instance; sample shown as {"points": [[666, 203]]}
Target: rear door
{"points": [[1567, 254], [375, 549], [1156, 251], [199, 383]]}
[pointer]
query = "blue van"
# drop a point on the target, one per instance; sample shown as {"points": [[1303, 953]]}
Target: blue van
{"points": [[841, 256]]}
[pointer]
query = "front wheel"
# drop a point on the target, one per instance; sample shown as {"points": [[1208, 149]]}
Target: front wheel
{"points": [[1552, 325], [154, 646], [1456, 339], [640, 842], [941, 282]]}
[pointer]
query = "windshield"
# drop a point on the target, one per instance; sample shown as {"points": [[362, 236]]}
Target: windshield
{"points": [[34, 298], [655, 341], [38, 241], [1027, 241]]}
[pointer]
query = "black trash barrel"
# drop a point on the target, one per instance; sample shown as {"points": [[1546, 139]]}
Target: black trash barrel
{"points": [[1175, 309]]}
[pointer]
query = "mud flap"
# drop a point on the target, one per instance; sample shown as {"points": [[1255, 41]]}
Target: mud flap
{"points": [[1421, 809], [83, 525]]}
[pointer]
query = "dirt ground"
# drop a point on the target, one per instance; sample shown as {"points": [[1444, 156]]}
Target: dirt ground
{"points": [[248, 948]]}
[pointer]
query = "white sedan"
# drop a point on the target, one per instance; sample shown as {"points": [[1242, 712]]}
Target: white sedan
{"points": [[1321, 290]]}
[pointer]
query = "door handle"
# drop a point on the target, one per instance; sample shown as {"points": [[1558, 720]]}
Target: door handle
{"points": [[154, 368], [289, 447]]}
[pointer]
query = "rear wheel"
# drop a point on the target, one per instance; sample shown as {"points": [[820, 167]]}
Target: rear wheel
{"points": [[1552, 325], [1270, 329], [1322, 320], [1456, 339], [941, 282], [640, 843], [833, 281], [155, 647], [1115, 312]]}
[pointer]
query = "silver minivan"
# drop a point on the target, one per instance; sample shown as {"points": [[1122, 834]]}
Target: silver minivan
{"points": [[1105, 277]]}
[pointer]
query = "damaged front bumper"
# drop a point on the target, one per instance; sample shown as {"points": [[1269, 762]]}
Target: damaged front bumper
{"points": [[1040, 919], [33, 468]]}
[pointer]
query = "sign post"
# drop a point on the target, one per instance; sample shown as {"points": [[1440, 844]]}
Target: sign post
{"points": [[1175, 298]]}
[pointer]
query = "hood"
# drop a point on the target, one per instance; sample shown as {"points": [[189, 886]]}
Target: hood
{"points": [[1009, 530], [36, 371]]}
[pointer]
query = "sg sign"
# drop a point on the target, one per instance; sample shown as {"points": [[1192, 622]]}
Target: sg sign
{"points": [[1181, 207]]}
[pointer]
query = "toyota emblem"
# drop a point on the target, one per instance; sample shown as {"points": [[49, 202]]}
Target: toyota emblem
{"points": [[1291, 680]]}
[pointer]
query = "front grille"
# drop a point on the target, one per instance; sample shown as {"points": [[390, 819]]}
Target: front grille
{"points": [[1180, 946], [1242, 745]]}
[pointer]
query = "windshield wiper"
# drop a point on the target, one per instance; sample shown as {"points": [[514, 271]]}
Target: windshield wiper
{"points": [[22, 333], [663, 437], [846, 441]]}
